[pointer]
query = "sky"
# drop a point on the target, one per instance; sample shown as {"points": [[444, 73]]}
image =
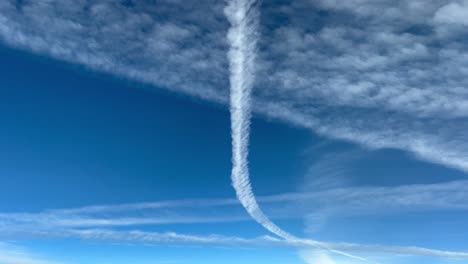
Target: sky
{"points": [[116, 135]]}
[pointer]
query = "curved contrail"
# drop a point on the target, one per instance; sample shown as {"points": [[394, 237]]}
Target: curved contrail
{"points": [[242, 38]]}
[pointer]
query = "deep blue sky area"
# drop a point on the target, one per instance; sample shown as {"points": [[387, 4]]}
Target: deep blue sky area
{"points": [[116, 139]]}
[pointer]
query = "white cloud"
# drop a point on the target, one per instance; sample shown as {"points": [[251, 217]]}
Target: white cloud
{"points": [[455, 12], [315, 207], [394, 82], [315, 257], [87, 222], [171, 238], [14, 255]]}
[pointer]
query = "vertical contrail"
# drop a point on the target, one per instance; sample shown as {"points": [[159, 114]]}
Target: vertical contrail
{"points": [[242, 38]]}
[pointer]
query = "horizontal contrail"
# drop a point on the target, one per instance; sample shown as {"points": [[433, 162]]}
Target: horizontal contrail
{"points": [[59, 224], [135, 236], [450, 195]]}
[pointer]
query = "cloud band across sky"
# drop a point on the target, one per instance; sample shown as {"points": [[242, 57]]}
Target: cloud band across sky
{"points": [[101, 223], [346, 201], [410, 94], [171, 238]]}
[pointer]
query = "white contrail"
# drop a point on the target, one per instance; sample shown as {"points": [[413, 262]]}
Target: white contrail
{"points": [[242, 38]]}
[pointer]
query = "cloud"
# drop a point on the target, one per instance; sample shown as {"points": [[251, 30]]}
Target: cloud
{"points": [[171, 238], [406, 251], [374, 72], [315, 207], [381, 74], [129, 41], [311, 257], [455, 12], [149, 205], [242, 38], [88, 222], [393, 56], [10, 254]]}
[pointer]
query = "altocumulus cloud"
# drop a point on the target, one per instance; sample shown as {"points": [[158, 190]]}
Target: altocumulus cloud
{"points": [[383, 74]]}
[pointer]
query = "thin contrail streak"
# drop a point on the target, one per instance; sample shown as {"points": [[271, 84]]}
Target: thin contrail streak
{"points": [[242, 38]]}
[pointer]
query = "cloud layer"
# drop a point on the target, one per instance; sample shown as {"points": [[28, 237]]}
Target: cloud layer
{"points": [[383, 74], [103, 222], [343, 201], [10, 254]]}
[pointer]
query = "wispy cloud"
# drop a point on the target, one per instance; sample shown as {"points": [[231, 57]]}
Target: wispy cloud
{"points": [[188, 203], [394, 82], [315, 257], [341, 201], [171, 238], [264, 241], [10, 254], [87, 222], [408, 251]]}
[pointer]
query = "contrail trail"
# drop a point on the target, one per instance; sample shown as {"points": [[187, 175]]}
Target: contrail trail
{"points": [[242, 38], [242, 15]]}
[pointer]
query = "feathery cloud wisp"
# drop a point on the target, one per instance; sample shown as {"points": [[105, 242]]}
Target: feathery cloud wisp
{"points": [[342, 201], [396, 82], [82, 222], [171, 238], [14, 255]]}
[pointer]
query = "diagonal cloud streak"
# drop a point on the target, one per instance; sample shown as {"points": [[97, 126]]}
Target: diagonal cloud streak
{"points": [[401, 88]]}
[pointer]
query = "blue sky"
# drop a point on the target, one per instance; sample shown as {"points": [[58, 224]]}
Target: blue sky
{"points": [[116, 135]]}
